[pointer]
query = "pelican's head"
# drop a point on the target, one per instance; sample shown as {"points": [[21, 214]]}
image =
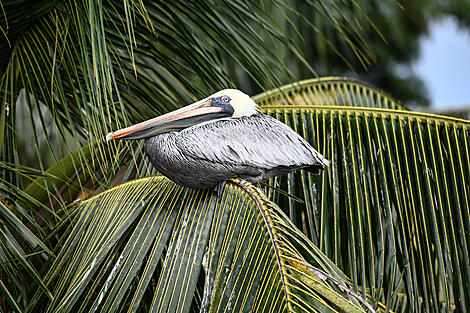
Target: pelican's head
{"points": [[240, 102], [226, 103]]}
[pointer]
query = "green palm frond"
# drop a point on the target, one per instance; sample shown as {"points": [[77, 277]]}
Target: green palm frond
{"points": [[392, 211], [150, 245], [329, 91]]}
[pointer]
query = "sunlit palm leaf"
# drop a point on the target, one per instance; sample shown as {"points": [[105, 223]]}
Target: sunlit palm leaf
{"points": [[392, 210], [150, 245], [329, 91]]}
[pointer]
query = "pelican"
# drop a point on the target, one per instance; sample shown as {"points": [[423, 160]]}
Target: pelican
{"points": [[221, 137]]}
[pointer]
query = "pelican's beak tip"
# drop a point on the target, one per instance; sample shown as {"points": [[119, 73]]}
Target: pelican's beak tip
{"points": [[109, 136]]}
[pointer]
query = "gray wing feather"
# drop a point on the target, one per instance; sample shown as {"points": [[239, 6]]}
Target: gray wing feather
{"points": [[258, 140]]}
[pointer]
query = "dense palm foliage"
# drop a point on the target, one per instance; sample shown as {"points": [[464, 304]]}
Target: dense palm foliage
{"points": [[393, 211], [388, 222], [152, 246]]}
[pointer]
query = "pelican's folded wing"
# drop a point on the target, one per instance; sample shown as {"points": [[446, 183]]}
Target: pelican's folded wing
{"points": [[258, 140]]}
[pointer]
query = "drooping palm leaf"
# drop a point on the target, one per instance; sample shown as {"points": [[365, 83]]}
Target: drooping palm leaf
{"points": [[392, 211], [150, 245]]}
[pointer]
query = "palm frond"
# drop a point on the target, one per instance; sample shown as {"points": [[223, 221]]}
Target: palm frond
{"points": [[150, 245], [392, 210], [329, 91]]}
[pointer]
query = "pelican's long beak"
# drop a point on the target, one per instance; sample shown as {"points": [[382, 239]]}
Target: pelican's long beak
{"points": [[187, 116]]}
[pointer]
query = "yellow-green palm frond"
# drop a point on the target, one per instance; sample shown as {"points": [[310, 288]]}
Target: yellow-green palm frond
{"points": [[329, 91], [392, 210], [151, 245]]}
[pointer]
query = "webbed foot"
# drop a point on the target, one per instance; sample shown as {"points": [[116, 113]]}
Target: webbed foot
{"points": [[220, 189]]}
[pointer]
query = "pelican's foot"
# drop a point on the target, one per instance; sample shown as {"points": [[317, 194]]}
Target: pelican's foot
{"points": [[220, 189]]}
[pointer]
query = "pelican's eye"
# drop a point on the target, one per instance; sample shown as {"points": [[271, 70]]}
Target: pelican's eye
{"points": [[222, 102]]}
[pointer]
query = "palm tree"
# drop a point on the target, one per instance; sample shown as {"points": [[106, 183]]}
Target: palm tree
{"points": [[385, 228]]}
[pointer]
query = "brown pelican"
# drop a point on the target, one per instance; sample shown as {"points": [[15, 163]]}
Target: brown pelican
{"points": [[221, 137]]}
